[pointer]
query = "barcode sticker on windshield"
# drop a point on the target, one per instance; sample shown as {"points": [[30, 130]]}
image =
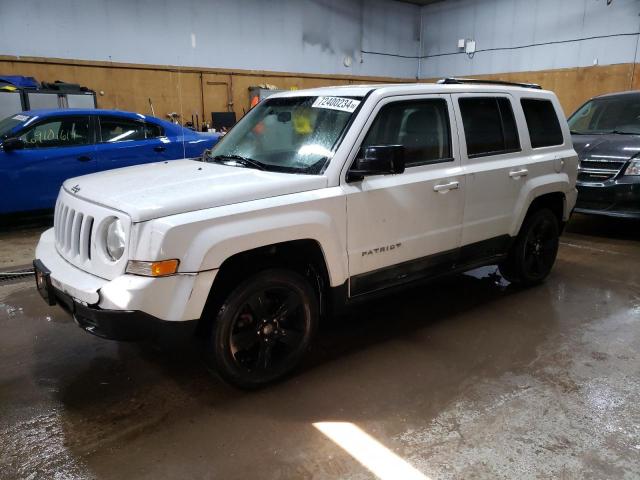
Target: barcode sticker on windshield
{"points": [[20, 118], [336, 103]]}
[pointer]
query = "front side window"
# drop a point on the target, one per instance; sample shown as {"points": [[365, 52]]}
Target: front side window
{"points": [[542, 122], [489, 126], [421, 127], [607, 115], [291, 134], [10, 123], [58, 132], [121, 129]]}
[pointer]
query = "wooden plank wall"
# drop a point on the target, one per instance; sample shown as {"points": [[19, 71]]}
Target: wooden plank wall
{"points": [[201, 91], [574, 86], [171, 89]]}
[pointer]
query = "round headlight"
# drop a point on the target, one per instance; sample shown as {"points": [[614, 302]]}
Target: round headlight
{"points": [[115, 239]]}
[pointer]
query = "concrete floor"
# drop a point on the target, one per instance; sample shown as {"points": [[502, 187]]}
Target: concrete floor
{"points": [[18, 246], [467, 378]]}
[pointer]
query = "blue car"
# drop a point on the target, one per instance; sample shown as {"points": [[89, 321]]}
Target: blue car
{"points": [[40, 149]]}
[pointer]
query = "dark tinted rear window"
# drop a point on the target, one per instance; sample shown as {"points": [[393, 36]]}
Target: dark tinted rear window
{"points": [[153, 131], [489, 126], [509, 128], [542, 122], [114, 129]]}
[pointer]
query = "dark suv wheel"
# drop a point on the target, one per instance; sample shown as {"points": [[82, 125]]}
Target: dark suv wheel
{"points": [[534, 251], [263, 328]]}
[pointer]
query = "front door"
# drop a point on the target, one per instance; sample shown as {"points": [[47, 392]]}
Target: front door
{"points": [[406, 226], [55, 149], [124, 142]]}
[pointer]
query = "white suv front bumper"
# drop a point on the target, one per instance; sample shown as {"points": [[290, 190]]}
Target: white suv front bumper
{"points": [[178, 297]]}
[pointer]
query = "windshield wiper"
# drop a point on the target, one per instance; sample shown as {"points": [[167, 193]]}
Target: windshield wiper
{"points": [[244, 161], [620, 132], [575, 132]]}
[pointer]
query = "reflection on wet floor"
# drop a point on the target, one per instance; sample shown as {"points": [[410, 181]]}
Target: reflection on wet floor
{"points": [[466, 377]]}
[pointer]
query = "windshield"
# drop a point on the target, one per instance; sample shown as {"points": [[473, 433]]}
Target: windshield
{"points": [[608, 115], [295, 134], [9, 123]]}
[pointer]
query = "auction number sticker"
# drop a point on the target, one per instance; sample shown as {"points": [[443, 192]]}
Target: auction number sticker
{"points": [[336, 103]]}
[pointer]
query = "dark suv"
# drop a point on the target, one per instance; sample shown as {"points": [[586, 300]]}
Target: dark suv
{"points": [[606, 136]]}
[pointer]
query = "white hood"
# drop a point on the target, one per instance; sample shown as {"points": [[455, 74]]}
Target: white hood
{"points": [[167, 188]]}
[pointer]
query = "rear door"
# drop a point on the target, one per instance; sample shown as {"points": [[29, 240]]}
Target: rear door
{"points": [[495, 170], [56, 148], [406, 226], [123, 142], [164, 146]]}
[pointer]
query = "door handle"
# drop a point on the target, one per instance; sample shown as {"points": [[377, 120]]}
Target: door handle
{"points": [[445, 187], [84, 158], [519, 173], [159, 148]]}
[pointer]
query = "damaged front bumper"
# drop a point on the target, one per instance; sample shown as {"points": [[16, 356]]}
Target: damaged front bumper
{"points": [[129, 307]]}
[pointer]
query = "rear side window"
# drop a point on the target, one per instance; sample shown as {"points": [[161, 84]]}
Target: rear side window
{"points": [[153, 131], [421, 126], [121, 129], [489, 126], [542, 122]]}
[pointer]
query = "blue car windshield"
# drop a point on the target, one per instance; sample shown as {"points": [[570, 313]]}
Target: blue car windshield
{"points": [[9, 123], [287, 134]]}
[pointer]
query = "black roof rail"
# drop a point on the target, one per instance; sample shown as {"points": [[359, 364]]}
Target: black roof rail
{"points": [[477, 81]]}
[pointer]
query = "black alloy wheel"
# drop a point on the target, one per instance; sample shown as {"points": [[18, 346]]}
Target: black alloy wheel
{"points": [[534, 252], [541, 247], [264, 328]]}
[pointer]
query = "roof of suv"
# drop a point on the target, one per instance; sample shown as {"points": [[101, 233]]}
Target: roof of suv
{"points": [[389, 88]]}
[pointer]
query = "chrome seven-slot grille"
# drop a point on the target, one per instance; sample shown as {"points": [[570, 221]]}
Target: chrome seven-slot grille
{"points": [[598, 168], [73, 231]]}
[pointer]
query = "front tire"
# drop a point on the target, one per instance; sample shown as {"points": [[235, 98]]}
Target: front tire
{"points": [[263, 328], [534, 251]]}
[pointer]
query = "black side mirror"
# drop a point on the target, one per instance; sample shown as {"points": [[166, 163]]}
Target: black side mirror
{"points": [[11, 144], [377, 160]]}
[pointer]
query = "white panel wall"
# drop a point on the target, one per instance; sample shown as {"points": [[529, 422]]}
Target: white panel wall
{"points": [[509, 34], [311, 36]]}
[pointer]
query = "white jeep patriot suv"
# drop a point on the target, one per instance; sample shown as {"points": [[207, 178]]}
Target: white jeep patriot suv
{"points": [[316, 198]]}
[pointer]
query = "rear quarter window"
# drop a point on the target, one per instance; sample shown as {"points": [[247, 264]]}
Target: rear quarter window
{"points": [[542, 122]]}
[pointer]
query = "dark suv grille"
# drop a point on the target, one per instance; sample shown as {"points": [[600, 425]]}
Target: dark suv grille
{"points": [[598, 169]]}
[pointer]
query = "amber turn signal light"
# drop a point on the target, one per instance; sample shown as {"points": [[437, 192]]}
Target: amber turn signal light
{"points": [[160, 268]]}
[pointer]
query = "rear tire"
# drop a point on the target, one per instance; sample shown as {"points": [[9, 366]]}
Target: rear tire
{"points": [[534, 251], [263, 328]]}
